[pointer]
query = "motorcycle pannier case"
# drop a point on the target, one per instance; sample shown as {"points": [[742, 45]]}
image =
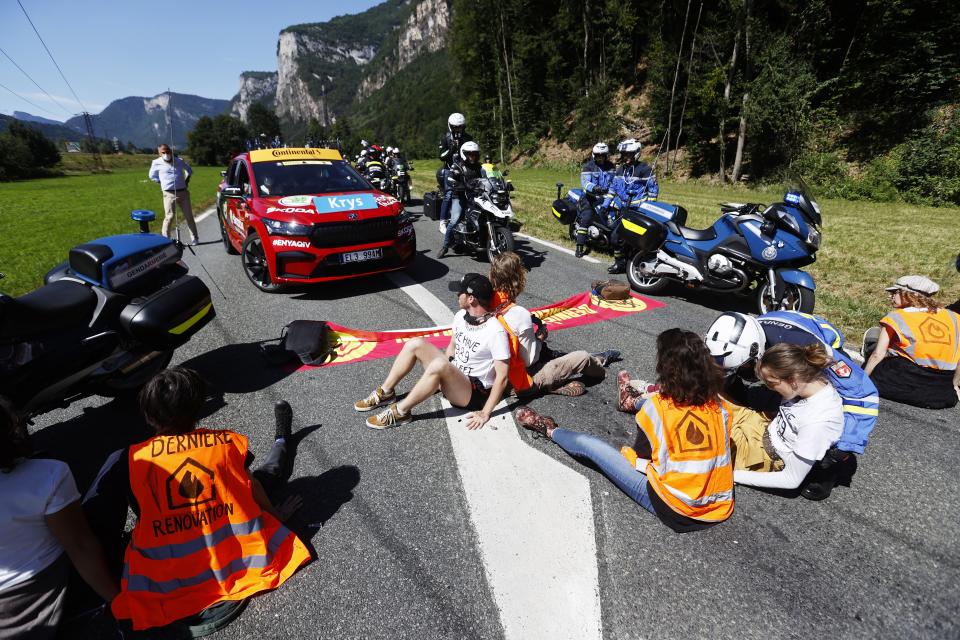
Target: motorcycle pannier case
{"points": [[171, 316], [644, 234], [431, 205], [565, 210]]}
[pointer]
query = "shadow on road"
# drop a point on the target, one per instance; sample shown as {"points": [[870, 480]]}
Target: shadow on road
{"points": [[219, 368]]}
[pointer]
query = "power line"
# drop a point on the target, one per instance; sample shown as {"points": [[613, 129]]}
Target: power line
{"points": [[83, 108], [12, 61], [27, 101]]}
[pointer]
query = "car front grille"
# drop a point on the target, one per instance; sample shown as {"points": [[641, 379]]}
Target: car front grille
{"points": [[344, 234]]}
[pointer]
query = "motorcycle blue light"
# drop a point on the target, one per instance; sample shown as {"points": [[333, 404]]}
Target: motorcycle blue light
{"points": [[792, 198]]}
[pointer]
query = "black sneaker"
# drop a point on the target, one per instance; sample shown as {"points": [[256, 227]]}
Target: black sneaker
{"points": [[581, 249], [620, 266], [443, 252], [284, 417], [607, 357]]}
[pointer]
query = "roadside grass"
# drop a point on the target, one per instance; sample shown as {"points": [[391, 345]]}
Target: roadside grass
{"points": [[866, 245], [40, 220], [82, 163]]}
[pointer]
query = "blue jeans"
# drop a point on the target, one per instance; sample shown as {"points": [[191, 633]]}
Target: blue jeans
{"points": [[609, 461], [447, 197], [457, 204]]}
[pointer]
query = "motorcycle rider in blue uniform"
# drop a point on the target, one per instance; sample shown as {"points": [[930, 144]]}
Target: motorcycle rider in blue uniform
{"points": [[596, 178], [738, 340], [633, 179], [449, 153]]}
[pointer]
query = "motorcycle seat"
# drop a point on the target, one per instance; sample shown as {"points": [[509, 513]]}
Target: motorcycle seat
{"points": [[60, 304], [692, 234]]}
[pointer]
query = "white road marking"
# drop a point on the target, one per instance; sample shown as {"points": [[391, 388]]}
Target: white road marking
{"points": [[205, 214], [556, 246], [533, 517]]}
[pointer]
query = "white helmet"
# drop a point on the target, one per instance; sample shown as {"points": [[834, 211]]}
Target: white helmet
{"points": [[456, 120], [364, 143], [735, 338], [469, 147], [601, 148], [363, 154], [396, 151], [630, 145]]}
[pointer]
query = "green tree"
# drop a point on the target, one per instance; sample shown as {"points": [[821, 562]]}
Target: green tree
{"points": [[43, 151], [261, 120]]}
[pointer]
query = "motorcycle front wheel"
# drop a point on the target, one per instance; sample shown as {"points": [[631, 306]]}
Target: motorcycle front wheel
{"points": [[794, 298], [641, 282], [502, 240]]}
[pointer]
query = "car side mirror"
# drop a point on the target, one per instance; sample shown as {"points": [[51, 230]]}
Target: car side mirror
{"points": [[232, 192]]}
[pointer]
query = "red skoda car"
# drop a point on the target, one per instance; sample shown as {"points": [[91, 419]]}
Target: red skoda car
{"points": [[300, 216]]}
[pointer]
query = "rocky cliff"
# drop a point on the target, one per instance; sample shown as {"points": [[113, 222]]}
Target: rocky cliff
{"points": [[255, 86], [425, 30]]}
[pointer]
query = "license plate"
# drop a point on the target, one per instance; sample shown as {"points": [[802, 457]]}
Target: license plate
{"points": [[361, 256]]}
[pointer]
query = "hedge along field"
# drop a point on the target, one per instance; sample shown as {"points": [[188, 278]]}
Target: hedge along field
{"points": [[40, 220], [866, 245]]}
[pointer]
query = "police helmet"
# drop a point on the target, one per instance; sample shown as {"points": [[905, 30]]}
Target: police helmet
{"points": [[600, 150], [735, 338], [471, 149], [456, 123]]}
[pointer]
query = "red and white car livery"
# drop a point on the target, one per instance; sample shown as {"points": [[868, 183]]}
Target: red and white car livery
{"points": [[301, 216]]}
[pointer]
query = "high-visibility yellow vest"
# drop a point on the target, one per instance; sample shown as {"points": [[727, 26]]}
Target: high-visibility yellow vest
{"points": [[201, 538], [930, 339], [690, 468]]}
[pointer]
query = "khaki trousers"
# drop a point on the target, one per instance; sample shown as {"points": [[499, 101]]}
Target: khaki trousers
{"points": [[747, 440], [560, 370], [182, 201]]}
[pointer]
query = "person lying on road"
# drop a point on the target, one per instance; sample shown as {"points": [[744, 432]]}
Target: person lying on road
{"points": [[779, 454], [533, 365], [684, 430], [472, 373], [201, 514]]}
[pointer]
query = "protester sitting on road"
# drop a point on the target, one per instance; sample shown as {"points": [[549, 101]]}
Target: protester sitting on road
{"points": [[472, 373], [779, 454], [913, 357], [738, 340], [201, 514], [684, 428], [551, 372], [44, 531]]}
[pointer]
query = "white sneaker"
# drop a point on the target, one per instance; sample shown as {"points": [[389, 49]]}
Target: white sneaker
{"points": [[443, 227]]}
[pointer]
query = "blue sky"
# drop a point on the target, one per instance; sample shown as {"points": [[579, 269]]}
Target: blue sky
{"points": [[111, 50]]}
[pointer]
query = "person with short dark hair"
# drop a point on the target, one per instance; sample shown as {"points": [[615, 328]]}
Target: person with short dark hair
{"points": [[680, 467], [914, 357], [201, 514], [173, 173], [43, 531], [472, 373]]}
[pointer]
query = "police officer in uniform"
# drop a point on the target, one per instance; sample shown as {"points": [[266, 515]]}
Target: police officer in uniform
{"points": [[596, 178]]}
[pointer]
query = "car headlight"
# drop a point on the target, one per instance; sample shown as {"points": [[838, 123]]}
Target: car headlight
{"points": [[813, 238], [279, 228]]}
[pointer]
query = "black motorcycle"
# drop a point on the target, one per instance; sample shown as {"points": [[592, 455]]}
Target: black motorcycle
{"points": [[400, 178], [377, 175], [104, 322], [484, 226]]}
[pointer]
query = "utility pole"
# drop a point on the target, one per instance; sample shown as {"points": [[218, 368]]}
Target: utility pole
{"points": [[91, 139]]}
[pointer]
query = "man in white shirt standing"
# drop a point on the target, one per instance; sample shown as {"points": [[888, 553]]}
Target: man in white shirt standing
{"points": [[472, 373], [173, 176]]}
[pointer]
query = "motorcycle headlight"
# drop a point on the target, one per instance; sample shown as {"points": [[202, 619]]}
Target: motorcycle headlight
{"points": [[279, 228], [813, 238]]}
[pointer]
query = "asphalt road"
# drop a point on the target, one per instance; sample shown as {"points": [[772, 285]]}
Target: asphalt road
{"points": [[398, 555]]}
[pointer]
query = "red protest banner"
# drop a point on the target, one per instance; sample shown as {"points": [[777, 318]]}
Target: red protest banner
{"points": [[356, 345]]}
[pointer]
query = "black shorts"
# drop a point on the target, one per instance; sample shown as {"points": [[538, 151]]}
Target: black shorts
{"points": [[478, 394]]}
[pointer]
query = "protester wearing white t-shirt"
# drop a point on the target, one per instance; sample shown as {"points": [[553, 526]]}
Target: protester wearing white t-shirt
{"points": [[40, 520], [809, 421], [472, 373]]}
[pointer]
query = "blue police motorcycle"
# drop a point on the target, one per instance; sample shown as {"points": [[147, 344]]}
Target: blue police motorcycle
{"points": [[749, 249], [104, 322]]}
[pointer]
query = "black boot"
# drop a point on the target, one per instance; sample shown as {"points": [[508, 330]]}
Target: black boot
{"points": [[836, 467], [581, 249], [619, 266]]}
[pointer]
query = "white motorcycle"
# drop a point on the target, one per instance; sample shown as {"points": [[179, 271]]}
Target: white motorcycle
{"points": [[485, 225]]}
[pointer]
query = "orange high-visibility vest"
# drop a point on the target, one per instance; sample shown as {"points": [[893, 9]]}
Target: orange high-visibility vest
{"points": [[200, 538], [690, 468], [930, 339], [520, 380]]}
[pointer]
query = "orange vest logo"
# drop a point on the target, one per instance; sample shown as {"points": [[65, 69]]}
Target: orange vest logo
{"points": [[190, 485], [934, 331], [692, 434]]}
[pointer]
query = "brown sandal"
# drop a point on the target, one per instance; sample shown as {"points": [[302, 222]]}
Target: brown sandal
{"points": [[533, 421], [571, 389]]}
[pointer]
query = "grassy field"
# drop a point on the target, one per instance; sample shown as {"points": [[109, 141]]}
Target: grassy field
{"points": [[866, 245], [40, 220], [82, 163]]}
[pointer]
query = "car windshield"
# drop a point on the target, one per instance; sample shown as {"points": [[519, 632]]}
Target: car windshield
{"points": [[297, 177]]}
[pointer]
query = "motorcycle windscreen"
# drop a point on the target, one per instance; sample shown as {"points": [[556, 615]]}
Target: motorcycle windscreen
{"points": [[643, 234]]}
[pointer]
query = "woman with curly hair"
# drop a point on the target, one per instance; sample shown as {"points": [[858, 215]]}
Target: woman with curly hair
{"points": [[915, 360], [684, 428]]}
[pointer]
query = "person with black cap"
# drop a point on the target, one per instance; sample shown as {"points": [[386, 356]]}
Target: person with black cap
{"points": [[472, 373], [913, 356]]}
